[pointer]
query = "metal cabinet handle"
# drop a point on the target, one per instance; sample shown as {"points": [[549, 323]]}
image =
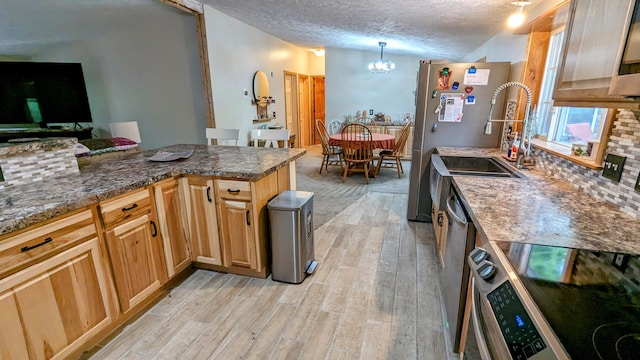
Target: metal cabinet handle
{"points": [[155, 229], [46, 241], [130, 207], [440, 219], [247, 217], [237, 191], [209, 193]]}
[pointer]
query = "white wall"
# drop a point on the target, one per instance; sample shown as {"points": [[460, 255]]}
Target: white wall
{"points": [[350, 86], [236, 52], [148, 72]]}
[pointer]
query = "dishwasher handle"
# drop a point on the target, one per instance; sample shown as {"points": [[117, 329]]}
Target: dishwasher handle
{"points": [[452, 213]]}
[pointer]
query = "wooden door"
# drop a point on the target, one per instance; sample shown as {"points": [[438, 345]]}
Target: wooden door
{"points": [[237, 222], [52, 308], [317, 83], [137, 259], [308, 134], [172, 222], [291, 104], [203, 224]]}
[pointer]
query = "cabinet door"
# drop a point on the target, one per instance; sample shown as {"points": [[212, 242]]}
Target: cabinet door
{"points": [[203, 224], [593, 34], [52, 308], [237, 223], [169, 207], [137, 260]]}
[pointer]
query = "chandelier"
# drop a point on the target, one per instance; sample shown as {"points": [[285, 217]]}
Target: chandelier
{"points": [[382, 65]]}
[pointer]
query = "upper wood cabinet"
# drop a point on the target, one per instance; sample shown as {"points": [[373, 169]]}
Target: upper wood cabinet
{"points": [[593, 34], [172, 220]]}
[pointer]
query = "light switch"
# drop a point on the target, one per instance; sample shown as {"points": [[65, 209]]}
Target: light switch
{"points": [[612, 167]]}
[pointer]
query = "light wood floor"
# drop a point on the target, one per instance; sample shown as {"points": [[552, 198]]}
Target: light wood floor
{"points": [[375, 295]]}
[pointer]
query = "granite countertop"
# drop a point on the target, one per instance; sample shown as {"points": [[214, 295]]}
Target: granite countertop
{"points": [[542, 210], [28, 204]]}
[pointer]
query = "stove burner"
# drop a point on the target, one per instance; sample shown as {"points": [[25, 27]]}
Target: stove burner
{"points": [[617, 341]]}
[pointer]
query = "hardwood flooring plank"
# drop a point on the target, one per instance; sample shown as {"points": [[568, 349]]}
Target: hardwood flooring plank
{"points": [[262, 308], [305, 317], [429, 304], [235, 346], [408, 241], [377, 336], [132, 355], [337, 354], [375, 238], [349, 334], [267, 339], [326, 272], [129, 336], [181, 341], [403, 329], [389, 256], [321, 336], [180, 293], [382, 297], [208, 342], [287, 349], [295, 293], [222, 300], [406, 277], [431, 345], [336, 299]]}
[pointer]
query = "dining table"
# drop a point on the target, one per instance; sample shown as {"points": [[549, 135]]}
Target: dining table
{"points": [[380, 141]]}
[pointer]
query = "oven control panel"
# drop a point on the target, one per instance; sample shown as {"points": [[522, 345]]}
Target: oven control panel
{"points": [[521, 336]]}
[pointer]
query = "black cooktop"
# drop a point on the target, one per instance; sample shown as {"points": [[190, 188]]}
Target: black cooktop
{"points": [[591, 299]]}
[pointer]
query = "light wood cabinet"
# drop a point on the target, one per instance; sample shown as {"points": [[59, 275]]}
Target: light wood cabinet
{"points": [[172, 220], [135, 247], [52, 308], [592, 37], [202, 220], [243, 213]]}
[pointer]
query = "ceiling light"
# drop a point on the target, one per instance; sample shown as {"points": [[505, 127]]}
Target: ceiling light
{"points": [[319, 52], [382, 65], [517, 18]]}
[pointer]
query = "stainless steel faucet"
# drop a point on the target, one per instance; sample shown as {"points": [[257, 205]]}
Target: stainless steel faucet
{"points": [[525, 121]]}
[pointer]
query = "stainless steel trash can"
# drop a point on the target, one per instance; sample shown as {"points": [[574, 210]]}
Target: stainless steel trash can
{"points": [[291, 222]]}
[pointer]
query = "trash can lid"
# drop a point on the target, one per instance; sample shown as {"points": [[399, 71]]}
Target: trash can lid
{"points": [[290, 200]]}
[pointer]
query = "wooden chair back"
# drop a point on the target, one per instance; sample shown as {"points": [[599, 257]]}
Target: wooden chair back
{"points": [[357, 143], [398, 150], [223, 136], [323, 135], [270, 136]]}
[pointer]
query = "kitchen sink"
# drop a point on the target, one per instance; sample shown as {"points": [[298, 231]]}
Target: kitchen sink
{"points": [[477, 166]]}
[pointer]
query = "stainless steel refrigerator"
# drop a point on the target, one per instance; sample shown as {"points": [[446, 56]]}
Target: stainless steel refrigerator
{"points": [[452, 107]]}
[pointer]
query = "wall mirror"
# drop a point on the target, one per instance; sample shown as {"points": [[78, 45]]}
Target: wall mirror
{"points": [[261, 88]]}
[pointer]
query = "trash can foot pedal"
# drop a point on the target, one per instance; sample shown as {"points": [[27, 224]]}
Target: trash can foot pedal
{"points": [[312, 267]]}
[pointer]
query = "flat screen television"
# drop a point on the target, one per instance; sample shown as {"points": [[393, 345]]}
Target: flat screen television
{"points": [[36, 94]]}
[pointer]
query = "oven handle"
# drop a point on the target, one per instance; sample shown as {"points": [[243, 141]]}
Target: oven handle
{"points": [[480, 339]]}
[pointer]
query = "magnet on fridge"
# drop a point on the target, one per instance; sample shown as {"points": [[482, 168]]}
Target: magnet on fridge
{"points": [[468, 89], [472, 70], [470, 100], [445, 71], [455, 85], [434, 94]]}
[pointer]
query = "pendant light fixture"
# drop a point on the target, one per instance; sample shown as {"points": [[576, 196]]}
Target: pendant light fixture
{"points": [[517, 18], [382, 65]]}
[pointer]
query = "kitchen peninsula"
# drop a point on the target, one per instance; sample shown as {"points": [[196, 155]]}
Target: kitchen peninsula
{"points": [[81, 254]]}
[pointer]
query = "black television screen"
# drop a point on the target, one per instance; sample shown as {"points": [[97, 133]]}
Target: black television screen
{"points": [[37, 93]]}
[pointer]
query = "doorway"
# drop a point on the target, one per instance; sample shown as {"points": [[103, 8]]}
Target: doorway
{"points": [[291, 105], [317, 105]]}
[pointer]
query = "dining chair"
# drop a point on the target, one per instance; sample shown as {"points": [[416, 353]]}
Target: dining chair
{"points": [[334, 126], [393, 158], [223, 136], [357, 150], [271, 137], [328, 152]]}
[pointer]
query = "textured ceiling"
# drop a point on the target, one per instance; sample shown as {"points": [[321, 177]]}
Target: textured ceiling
{"points": [[435, 29]]}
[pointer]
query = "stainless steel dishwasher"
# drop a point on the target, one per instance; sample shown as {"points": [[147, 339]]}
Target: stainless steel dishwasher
{"points": [[454, 277]]}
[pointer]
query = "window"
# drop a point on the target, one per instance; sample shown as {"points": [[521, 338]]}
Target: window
{"points": [[564, 125]]}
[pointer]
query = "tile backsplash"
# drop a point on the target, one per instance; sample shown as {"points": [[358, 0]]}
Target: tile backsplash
{"points": [[37, 161], [624, 141]]}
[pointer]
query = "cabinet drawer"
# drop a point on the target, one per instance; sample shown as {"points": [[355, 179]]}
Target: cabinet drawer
{"points": [[124, 207], [21, 250], [233, 189]]}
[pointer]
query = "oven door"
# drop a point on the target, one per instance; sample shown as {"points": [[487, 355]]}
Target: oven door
{"points": [[486, 341]]}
